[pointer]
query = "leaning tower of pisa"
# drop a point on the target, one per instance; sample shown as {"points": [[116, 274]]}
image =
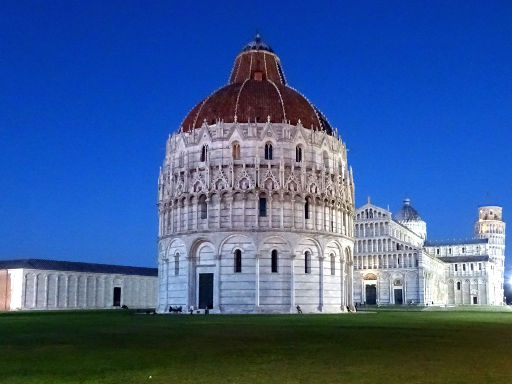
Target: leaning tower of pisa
{"points": [[490, 225]]}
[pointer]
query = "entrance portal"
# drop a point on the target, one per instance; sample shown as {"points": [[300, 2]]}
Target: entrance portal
{"points": [[398, 297], [475, 300], [371, 294], [205, 290], [117, 296]]}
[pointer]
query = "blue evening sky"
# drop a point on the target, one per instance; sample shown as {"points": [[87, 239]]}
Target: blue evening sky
{"points": [[421, 92]]}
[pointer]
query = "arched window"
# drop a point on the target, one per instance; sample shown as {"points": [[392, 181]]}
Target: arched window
{"points": [[204, 153], [333, 265], [306, 209], [268, 151], [238, 261], [203, 207], [298, 154], [274, 260], [236, 151], [458, 285], [307, 262], [176, 264]]}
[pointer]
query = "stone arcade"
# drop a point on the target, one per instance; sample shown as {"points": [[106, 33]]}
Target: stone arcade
{"points": [[256, 200]]}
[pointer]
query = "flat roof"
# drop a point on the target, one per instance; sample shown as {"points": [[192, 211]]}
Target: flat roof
{"points": [[75, 266]]}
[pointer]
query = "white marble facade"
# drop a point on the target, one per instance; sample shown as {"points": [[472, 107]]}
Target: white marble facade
{"points": [[238, 202], [395, 264]]}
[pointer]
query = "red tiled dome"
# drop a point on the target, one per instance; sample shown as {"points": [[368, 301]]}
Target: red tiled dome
{"points": [[256, 91]]}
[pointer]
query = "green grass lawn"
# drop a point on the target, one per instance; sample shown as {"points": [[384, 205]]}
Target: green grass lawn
{"points": [[380, 347]]}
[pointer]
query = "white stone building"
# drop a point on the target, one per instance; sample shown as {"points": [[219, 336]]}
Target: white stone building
{"points": [[255, 200], [395, 264], [34, 284]]}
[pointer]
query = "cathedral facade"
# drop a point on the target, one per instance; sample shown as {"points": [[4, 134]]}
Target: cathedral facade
{"points": [[256, 200], [395, 264]]}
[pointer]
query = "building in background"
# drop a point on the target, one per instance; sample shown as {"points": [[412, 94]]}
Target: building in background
{"points": [[255, 200], [34, 284], [395, 264]]}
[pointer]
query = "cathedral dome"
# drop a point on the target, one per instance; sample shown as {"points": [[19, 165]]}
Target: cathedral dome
{"points": [[407, 213], [256, 92]]}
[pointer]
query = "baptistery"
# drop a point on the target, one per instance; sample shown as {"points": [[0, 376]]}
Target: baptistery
{"points": [[255, 200]]}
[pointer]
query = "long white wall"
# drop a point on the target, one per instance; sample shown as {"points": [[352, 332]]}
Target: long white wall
{"points": [[46, 289]]}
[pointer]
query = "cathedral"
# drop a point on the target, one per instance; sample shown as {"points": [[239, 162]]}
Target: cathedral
{"points": [[395, 263], [256, 200]]}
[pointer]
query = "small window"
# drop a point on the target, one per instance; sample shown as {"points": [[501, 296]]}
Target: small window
{"points": [[263, 207], [307, 262], [333, 265], [203, 207], [479, 266], [268, 151], [450, 251], [458, 285], [274, 261], [464, 267], [472, 267], [236, 151], [298, 154], [463, 249], [456, 267], [204, 153], [438, 251], [326, 163], [238, 261], [176, 264], [306, 209]]}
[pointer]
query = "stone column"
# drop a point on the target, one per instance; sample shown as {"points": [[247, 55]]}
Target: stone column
{"points": [[46, 291], [66, 299], [229, 199], [351, 284], [257, 215], [178, 217], [292, 283], [208, 212], [281, 200], [269, 213], [312, 212], [36, 279], [342, 281], [57, 292], [219, 211], [391, 292], [257, 282], [244, 199], [171, 213], [293, 212], [216, 297], [405, 289], [166, 279], [321, 285]]}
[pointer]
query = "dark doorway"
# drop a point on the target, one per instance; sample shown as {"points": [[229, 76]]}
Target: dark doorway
{"points": [[205, 290], [371, 294], [398, 297], [117, 296], [475, 300]]}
